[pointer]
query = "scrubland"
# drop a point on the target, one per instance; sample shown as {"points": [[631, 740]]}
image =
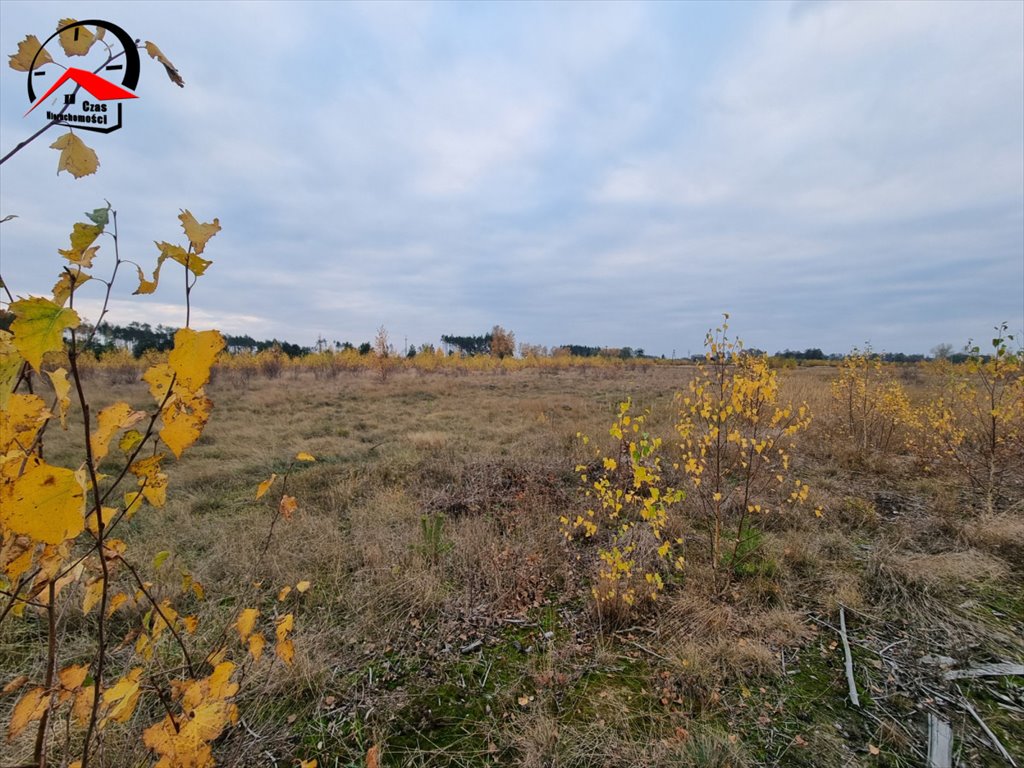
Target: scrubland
{"points": [[451, 622]]}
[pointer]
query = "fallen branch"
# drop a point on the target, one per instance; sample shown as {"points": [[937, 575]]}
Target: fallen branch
{"points": [[989, 670], [854, 698]]}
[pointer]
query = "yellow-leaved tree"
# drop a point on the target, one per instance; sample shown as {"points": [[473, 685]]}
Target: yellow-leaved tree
{"points": [[63, 562]]}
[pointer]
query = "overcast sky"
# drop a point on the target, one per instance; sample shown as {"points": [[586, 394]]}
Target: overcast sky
{"points": [[610, 174]]}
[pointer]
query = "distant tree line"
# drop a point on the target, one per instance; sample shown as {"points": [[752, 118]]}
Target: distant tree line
{"points": [[139, 338]]}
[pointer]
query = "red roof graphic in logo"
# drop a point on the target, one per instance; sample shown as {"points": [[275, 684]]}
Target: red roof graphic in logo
{"points": [[101, 89]]}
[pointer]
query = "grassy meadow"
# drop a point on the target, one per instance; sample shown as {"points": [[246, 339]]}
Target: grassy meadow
{"points": [[449, 622]]}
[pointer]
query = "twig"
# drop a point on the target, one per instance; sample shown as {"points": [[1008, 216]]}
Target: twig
{"points": [[854, 698]]}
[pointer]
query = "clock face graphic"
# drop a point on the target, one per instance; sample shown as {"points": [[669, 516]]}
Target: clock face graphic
{"points": [[93, 90]]}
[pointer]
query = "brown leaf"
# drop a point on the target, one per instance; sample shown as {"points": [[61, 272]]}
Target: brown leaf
{"points": [[27, 49], [172, 71]]}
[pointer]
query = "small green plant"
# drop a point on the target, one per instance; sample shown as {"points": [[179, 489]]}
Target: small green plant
{"points": [[434, 544]]}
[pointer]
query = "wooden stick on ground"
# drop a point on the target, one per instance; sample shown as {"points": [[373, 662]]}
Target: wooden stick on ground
{"points": [[940, 743], [854, 698]]}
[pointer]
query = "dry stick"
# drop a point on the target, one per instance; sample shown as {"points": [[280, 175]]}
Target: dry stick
{"points": [[51, 663], [854, 698], [988, 731]]}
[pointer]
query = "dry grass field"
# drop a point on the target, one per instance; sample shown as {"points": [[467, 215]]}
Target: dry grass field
{"points": [[450, 622]]}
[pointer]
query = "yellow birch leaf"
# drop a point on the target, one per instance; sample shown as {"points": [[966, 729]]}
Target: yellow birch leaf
{"points": [[172, 71], [75, 157], [14, 685], [303, 587], [152, 481], [62, 389], [129, 441], [195, 263], [285, 651], [198, 234], [112, 419], [256, 645], [20, 422], [184, 419], [30, 706], [122, 697], [82, 707], [159, 377], [303, 456], [308, 763], [285, 591], [190, 623], [145, 286], [284, 625], [288, 506], [27, 50], [193, 355], [46, 503], [38, 328], [93, 593], [71, 678], [265, 486], [115, 602], [76, 41], [10, 367], [68, 281], [246, 622]]}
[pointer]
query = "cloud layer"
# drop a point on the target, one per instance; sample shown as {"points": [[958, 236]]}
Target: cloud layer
{"points": [[614, 174]]}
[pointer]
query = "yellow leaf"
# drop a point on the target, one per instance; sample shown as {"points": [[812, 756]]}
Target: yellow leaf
{"points": [[308, 763], [10, 367], [265, 486], [288, 506], [38, 328], [112, 419], [874, 750], [69, 280], [129, 441], [184, 418], [27, 50], [76, 41], [256, 643], [198, 234], [152, 481], [122, 697], [303, 456], [172, 71], [195, 263], [116, 602], [46, 503], [193, 355], [302, 587], [373, 757], [191, 623], [159, 378], [14, 685], [71, 678], [30, 706], [20, 422], [285, 591], [284, 649], [61, 388], [93, 593], [145, 286], [75, 157], [246, 622]]}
